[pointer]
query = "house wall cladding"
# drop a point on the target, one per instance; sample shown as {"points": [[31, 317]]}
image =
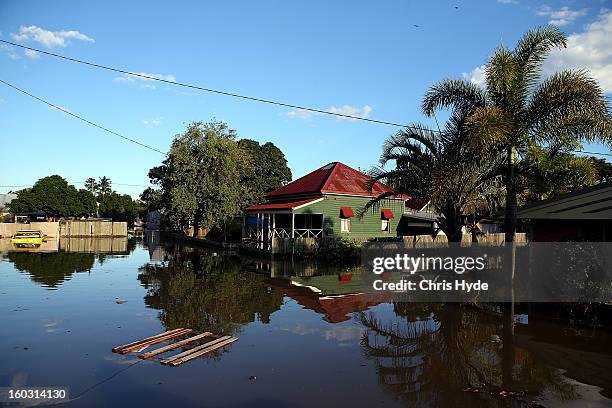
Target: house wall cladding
{"points": [[368, 225]]}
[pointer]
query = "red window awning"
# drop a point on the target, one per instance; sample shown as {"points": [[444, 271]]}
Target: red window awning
{"points": [[346, 212], [386, 214]]}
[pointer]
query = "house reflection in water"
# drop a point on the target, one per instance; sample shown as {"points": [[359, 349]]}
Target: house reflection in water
{"points": [[336, 308]]}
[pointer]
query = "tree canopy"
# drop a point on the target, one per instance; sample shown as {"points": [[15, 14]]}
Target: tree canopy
{"points": [[270, 170], [56, 197], [544, 174], [118, 207], [202, 178]]}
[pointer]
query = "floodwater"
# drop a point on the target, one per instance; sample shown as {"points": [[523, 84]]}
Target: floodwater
{"points": [[306, 338]]}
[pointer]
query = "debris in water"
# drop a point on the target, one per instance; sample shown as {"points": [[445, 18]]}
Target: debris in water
{"points": [[120, 302], [252, 377]]}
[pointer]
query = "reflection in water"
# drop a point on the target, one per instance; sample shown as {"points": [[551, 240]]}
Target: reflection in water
{"points": [[420, 354], [454, 355], [205, 292], [51, 269]]}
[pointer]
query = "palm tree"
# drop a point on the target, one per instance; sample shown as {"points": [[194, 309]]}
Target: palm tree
{"points": [[439, 168], [517, 108]]}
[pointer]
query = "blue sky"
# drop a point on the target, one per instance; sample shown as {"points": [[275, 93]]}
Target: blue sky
{"points": [[358, 57]]}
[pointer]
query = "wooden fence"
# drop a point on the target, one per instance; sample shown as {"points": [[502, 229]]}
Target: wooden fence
{"points": [[76, 228], [94, 228], [309, 245], [50, 229]]}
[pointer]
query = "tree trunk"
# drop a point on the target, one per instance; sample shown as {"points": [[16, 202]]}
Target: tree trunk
{"points": [[510, 216], [196, 224]]}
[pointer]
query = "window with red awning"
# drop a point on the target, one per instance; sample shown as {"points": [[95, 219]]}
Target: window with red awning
{"points": [[386, 214], [346, 212]]}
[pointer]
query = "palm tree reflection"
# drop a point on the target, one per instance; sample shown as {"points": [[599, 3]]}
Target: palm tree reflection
{"points": [[449, 355]]}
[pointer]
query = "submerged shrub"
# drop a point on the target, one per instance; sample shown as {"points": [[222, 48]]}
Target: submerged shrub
{"points": [[336, 249]]}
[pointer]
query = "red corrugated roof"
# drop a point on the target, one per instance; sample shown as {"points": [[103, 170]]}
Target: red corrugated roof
{"points": [[335, 178], [280, 205]]}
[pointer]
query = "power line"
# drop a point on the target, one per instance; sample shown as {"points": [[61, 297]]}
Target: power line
{"points": [[159, 151], [80, 117], [215, 91]]}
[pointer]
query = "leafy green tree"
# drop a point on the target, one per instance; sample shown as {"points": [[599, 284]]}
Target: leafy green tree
{"points": [[88, 201], [118, 207], [51, 194], [517, 108], [270, 170], [151, 199], [104, 187], [202, 179], [91, 185], [544, 174], [603, 169]]}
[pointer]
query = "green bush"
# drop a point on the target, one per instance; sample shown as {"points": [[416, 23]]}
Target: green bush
{"points": [[337, 249]]}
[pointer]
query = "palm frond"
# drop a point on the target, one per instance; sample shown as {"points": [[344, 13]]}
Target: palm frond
{"points": [[490, 128], [453, 93], [534, 47], [569, 105]]}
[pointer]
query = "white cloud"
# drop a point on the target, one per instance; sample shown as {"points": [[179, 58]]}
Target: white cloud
{"points": [[31, 54], [561, 17], [507, 1], [476, 76], [148, 82], [10, 51], [48, 38], [156, 121], [363, 112], [300, 114], [590, 50]]}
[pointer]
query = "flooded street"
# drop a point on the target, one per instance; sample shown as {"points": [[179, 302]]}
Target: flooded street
{"points": [[306, 336]]}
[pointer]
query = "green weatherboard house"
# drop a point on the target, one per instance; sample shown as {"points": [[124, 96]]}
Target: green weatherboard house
{"points": [[329, 201]]}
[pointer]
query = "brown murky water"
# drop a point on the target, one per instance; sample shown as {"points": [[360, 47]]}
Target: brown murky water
{"points": [[307, 336]]}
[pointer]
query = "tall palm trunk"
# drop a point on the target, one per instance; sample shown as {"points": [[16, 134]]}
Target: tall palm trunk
{"points": [[511, 205]]}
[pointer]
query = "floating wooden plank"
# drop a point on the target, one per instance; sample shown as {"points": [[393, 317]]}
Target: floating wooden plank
{"points": [[193, 350], [142, 346], [196, 354], [169, 347], [136, 345], [148, 338]]}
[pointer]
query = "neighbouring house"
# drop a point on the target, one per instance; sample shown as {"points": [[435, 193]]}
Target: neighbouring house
{"points": [[153, 220], [487, 226], [584, 215], [419, 218], [330, 201], [32, 216]]}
